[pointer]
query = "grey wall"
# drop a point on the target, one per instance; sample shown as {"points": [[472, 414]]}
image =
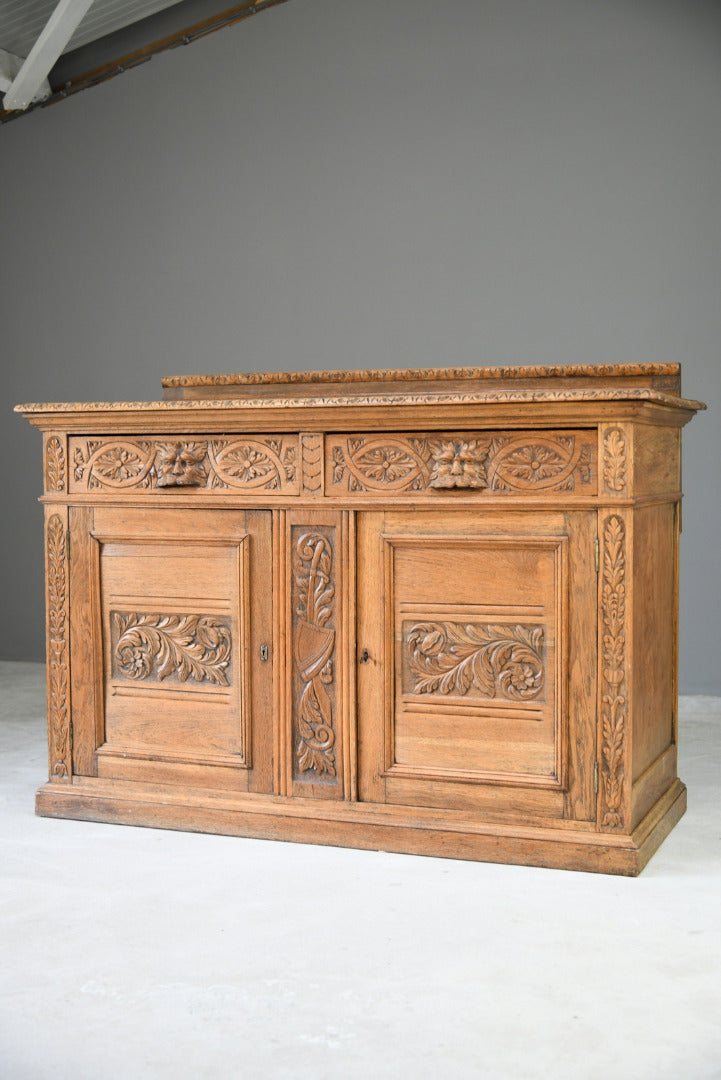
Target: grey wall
{"points": [[341, 184]]}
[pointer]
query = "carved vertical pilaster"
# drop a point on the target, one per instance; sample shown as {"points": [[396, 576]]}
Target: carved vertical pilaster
{"points": [[313, 597], [312, 464], [59, 743], [615, 460], [55, 464], [613, 736]]}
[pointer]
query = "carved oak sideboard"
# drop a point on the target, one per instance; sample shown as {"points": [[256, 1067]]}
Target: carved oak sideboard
{"points": [[429, 611]]}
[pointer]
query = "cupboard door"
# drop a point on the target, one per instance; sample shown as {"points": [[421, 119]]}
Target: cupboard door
{"points": [[478, 631], [172, 616]]}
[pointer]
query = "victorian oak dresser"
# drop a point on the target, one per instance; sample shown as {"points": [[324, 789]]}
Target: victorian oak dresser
{"points": [[427, 611]]}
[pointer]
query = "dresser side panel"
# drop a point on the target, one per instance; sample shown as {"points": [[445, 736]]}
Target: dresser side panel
{"points": [[653, 704]]}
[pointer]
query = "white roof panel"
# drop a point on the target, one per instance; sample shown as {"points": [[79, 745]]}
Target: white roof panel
{"points": [[21, 21]]}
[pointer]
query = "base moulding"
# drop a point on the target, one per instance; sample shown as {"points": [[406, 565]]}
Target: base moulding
{"points": [[401, 829]]}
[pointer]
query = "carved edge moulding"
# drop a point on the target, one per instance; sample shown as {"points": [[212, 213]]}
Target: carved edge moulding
{"points": [[228, 406], [671, 372]]}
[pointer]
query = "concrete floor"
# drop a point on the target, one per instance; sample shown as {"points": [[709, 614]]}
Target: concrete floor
{"points": [[131, 953]]}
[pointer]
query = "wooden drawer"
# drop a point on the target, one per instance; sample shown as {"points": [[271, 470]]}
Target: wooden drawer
{"points": [[494, 462], [263, 464]]}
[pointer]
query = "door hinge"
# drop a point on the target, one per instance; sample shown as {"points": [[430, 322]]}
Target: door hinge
{"points": [[595, 778], [70, 736], [596, 554], [67, 545]]}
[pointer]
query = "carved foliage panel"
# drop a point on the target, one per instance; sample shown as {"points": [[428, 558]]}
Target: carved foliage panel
{"points": [[155, 647], [55, 463], [263, 464], [615, 460], [507, 463], [314, 604], [614, 691], [58, 650], [474, 659]]}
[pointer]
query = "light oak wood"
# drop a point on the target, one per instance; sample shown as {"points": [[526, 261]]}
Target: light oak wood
{"points": [[405, 610]]}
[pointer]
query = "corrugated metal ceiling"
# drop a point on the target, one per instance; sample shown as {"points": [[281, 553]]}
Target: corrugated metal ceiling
{"points": [[21, 21]]}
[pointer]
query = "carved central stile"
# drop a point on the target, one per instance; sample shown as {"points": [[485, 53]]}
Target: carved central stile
{"points": [[314, 643]]}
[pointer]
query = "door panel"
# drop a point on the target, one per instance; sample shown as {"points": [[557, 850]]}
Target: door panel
{"points": [[466, 620], [180, 602]]}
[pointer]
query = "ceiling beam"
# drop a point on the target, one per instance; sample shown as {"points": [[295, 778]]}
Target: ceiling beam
{"points": [[10, 64], [56, 34]]}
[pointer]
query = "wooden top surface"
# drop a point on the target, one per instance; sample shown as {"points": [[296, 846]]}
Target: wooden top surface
{"points": [[400, 389], [668, 373], [657, 376]]}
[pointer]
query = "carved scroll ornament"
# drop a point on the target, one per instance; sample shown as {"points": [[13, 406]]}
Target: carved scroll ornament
{"points": [[187, 646], [314, 643], [475, 658]]}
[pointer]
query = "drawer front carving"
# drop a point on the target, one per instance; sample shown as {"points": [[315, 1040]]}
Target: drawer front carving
{"points": [[507, 463], [263, 464]]}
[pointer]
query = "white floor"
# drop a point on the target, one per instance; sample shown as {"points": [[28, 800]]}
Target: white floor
{"points": [[134, 953]]}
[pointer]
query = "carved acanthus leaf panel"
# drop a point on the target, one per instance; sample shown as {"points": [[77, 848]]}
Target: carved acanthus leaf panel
{"points": [[265, 464], [614, 702], [478, 659], [57, 652], [54, 464], [615, 461], [313, 595], [494, 462], [185, 646]]}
